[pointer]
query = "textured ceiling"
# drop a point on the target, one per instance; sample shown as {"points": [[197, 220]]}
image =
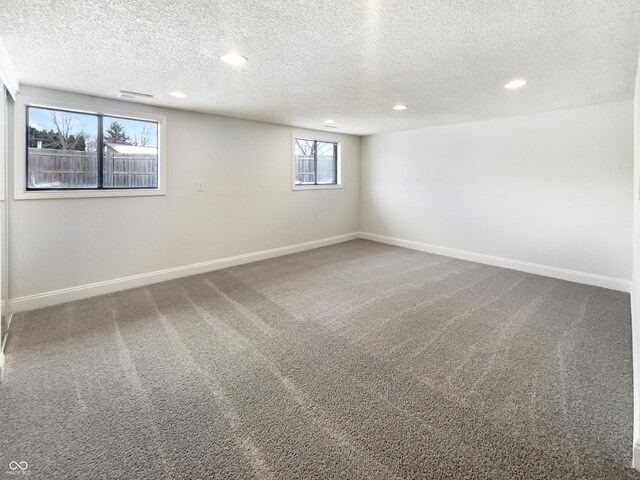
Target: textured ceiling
{"points": [[347, 60]]}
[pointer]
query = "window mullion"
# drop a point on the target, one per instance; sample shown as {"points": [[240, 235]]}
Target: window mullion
{"points": [[335, 163], [315, 162], [100, 153]]}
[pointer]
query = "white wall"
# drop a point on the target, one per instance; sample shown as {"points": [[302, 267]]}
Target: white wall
{"points": [[4, 132], [8, 81], [247, 206], [635, 291], [552, 188]]}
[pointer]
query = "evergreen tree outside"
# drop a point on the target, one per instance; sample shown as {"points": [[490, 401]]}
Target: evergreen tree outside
{"points": [[116, 134]]}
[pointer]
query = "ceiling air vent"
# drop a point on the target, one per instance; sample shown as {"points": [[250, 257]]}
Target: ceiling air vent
{"points": [[143, 97]]}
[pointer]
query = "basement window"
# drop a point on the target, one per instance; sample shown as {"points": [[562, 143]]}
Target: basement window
{"points": [[69, 150], [315, 164], [77, 150]]}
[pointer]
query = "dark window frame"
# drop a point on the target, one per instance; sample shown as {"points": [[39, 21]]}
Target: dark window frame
{"points": [[99, 152], [335, 144]]}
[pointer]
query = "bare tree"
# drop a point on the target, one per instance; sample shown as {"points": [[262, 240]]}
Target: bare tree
{"points": [[145, 137], [305, 147], [63, 136]]}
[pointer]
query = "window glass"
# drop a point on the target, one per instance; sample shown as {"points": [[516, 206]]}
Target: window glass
{"points": [[130, 153], [327, 156], [66, 151], [305, 162], [316, 162], [61, 149]]}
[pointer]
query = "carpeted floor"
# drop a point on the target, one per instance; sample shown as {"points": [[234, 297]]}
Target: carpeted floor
{"points": [[358, 360]]}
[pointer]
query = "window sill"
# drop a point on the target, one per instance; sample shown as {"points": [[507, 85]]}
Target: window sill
{"points": [[315, 187], [52, 194]]}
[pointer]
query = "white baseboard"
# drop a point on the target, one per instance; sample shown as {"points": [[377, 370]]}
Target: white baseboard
{"points": [[45, 299], [55, 297], [636, 457], [554, 272]]}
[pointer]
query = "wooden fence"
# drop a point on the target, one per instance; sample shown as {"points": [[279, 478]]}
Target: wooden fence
{"points": [[305, 169], [130, 170], [50, 168]]}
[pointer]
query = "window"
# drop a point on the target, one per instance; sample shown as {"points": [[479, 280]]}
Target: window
{"points": [[69, 150], [315, 163]]}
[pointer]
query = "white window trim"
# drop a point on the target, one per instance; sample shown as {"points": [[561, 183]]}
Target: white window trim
{"points": [[322, 137], [4, 141], [20, 191]]}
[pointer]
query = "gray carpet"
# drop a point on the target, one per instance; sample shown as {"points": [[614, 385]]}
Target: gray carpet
{"points": [[355, 361]]}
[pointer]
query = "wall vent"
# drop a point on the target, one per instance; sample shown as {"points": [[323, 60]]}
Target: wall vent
{"points": [[135, 96]]}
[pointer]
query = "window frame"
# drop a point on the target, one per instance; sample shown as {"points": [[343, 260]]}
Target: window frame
{"points": [[126, 111], [321, 139]]}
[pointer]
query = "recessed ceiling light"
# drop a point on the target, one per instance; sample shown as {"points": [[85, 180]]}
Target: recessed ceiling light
{"points": [[517, 83], [329, 122], [178, 94], [233, 59], [400, 107]]}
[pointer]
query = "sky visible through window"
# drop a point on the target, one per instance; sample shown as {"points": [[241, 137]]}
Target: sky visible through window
{"points": [[137, 131]]}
